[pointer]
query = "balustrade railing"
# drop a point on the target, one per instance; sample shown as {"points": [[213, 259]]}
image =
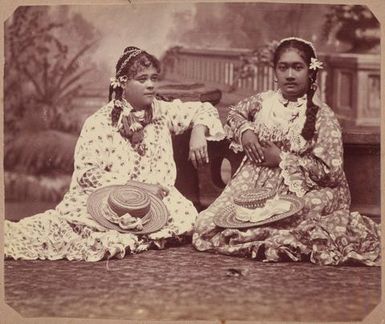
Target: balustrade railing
{"points": [[222, 68], [349, 83]]}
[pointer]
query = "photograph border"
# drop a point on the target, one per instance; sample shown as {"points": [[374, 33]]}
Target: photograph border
{"points": [[8, 7]]}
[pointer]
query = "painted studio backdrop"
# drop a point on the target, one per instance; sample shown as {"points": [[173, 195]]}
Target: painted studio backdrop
{"points": [[58, 66]]}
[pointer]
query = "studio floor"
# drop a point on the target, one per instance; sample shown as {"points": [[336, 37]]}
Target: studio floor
{"points": [[180, 283]]}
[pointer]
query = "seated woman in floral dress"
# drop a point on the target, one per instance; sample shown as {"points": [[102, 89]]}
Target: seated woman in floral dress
{"points": [[127, 141], [294, 147]]}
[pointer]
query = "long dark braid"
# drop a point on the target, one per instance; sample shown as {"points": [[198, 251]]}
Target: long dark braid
{"points": [[116, 111], [308, 129], [306, 51], [128, 65]]}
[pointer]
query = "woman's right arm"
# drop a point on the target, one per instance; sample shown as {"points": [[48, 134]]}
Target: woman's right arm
{"points": [[240, 130]]}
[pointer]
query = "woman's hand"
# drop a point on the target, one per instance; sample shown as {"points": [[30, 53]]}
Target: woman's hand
{"points": [[198, 146], [156, 189], [252, 147], [272, 155]]}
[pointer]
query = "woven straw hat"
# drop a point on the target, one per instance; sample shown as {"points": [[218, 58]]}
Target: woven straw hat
{"points": [[110, 205], [227, 217]]}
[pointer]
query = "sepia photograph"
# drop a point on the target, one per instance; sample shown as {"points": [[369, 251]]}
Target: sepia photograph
{"points": [[192, 161]]}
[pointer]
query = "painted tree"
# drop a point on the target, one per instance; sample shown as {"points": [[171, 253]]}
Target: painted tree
{"points": [[353, 24], [40, 63], [46, 63]]}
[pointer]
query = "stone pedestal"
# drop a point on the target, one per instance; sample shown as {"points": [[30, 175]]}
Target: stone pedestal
{"points": [[353, 88], [362, 165]]}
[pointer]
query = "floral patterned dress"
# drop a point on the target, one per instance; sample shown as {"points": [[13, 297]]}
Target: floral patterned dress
{"points": [[325, 231], [103, 157]]}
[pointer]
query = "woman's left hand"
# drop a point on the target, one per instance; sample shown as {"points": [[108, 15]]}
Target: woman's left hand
{"points": [[272, 155], [157, 189], [198, 146]]}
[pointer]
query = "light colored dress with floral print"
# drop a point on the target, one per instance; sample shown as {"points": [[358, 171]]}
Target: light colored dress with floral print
{"points": [[325, 231], [103, 157]]}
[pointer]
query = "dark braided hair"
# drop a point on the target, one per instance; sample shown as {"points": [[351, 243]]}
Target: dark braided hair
{"points": [[129, 65], [306, 51]]}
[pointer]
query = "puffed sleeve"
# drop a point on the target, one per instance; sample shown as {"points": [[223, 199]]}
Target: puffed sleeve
{"points": [[183, 115], [322, 165], [240, 119], [92, 166]]}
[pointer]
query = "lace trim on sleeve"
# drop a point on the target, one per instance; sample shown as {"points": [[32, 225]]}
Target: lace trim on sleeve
{"points": [[208, 116], [235, 143]]}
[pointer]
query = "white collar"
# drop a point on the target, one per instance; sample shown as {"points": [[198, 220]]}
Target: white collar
{"points": [[285, 102]]}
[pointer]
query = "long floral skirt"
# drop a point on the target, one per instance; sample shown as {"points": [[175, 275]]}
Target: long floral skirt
{"points": [[68, 232], [324, 232]]}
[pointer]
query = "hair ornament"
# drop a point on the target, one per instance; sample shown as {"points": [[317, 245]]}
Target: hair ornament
{"points": [[299, 40], [127, 50], [315, 64], [134, 52]]}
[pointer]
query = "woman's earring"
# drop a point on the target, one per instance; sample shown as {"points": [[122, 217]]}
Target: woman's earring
{"points": [[275, 80], [314, 86]]}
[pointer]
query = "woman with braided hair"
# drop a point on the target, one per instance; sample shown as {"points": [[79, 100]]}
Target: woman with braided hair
{"points": [[126, 142], [293, 148]]}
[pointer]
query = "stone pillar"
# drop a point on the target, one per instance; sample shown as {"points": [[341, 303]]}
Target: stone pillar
{"points": [[354, 88]]}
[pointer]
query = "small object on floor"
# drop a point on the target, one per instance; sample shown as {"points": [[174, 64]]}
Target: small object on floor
{"points": [[233, 272]]}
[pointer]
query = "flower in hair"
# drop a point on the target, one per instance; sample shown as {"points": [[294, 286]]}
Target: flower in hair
{"points": [[118, 82], [315, 64], [115, 83]]}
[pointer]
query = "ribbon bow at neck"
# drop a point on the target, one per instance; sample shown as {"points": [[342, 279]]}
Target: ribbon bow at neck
{"points": [[131, 124]]}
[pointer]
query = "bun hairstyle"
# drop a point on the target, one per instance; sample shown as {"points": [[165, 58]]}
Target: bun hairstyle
{"points": [[307, 52], [130, 63]]}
